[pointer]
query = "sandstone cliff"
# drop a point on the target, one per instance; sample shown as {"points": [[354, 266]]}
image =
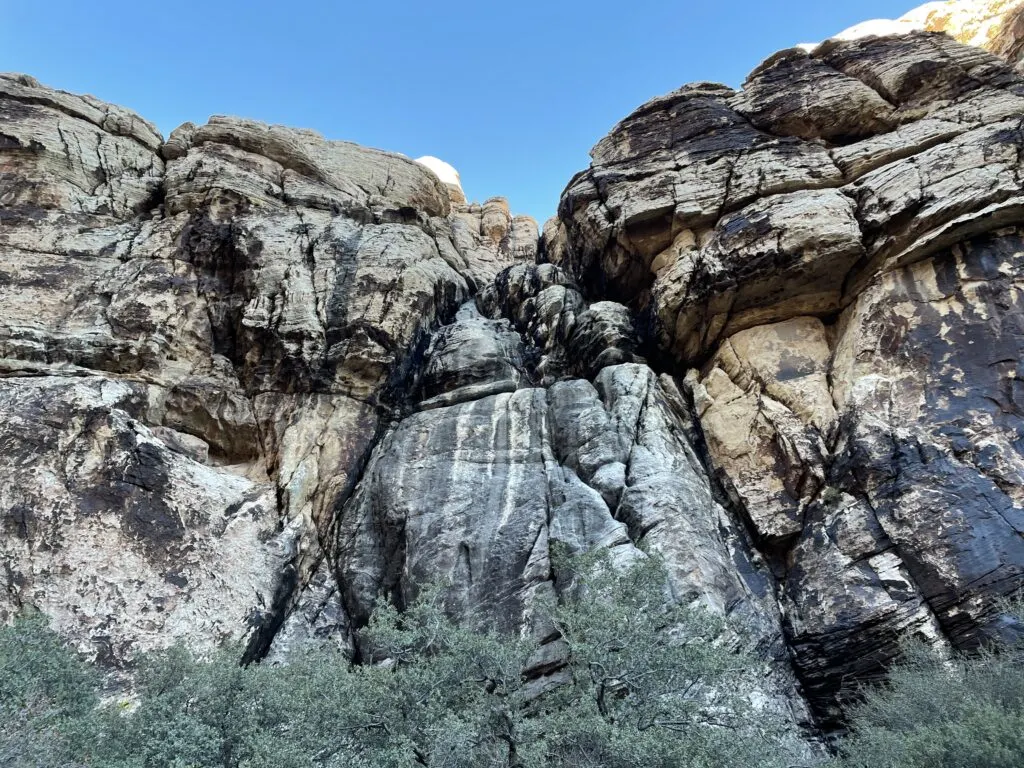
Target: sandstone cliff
{"points": [[251, 379]]}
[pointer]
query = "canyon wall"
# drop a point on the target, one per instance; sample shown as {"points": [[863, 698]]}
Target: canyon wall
{"points": [[251, 380]]}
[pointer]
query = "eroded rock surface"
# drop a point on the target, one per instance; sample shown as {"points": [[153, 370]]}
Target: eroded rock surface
{"points": [[849, 322], [995, 25], [257, 298], [252, 380]]}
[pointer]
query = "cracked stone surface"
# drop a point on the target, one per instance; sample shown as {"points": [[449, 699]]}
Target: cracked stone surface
{"points": [[262, 296], [252, 380], [849, 328]]}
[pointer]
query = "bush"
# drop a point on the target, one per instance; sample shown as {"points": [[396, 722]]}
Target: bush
{"points": [[645, 684], [935, 712], [47, 697], [651, 685]]}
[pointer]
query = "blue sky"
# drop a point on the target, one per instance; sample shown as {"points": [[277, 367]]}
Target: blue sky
{"points": [[512, 94]]}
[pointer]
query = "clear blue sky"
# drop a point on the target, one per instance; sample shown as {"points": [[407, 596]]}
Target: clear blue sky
{"points": [[513, 94]]}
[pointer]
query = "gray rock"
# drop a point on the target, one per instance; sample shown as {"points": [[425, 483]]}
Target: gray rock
{"points": [[849, 602], [266, 294], [794, 94], [930, 435], [252, 381], [574, 338], [471, 358], [475, 495]]}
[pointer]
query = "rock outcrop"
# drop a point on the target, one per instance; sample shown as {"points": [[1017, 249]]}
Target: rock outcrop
{"points": [[995, 25], [252, 380], [201, 341], [830, 256]]}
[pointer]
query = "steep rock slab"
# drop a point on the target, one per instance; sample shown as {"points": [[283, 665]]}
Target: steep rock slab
{"points": [[766, 410], [667, 501], [848, 601], [931, 441], [453, 493], [475, 490], [919, 528]]}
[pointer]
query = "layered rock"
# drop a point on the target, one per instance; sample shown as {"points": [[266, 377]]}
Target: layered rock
{"points": [[216, 323], [995, 25], [569, 336], [832, 252], [252, 380]]}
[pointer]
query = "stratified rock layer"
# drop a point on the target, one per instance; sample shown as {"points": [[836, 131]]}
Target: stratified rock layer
{"points": [[850, 318], [251, 380], [214, 323]]}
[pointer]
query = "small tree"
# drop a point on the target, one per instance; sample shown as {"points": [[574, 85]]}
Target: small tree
{"points": [[190, 714], [457, 696], [652, 683]]}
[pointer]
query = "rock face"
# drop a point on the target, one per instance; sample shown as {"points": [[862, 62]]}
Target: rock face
{"points": [[995, 25], [252, 380], [201, 341], [831, 257]]}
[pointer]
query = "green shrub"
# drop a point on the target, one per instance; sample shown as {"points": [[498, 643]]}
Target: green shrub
{"points": [[651, 685], [645, 684], [47, 697], [935, 712]]}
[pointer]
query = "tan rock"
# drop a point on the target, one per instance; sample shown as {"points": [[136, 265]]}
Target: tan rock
{"points": [[447, 175], [767, 414], [124, 540], [790, 362], [495, 220], [778, 258], [851, 322]]}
